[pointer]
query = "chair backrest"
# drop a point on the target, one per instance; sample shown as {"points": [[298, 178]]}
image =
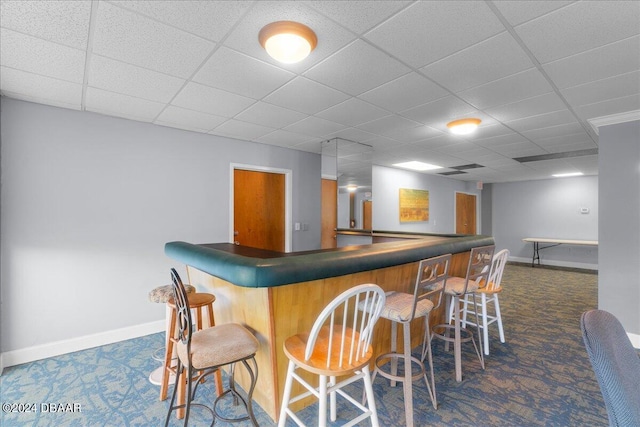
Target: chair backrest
{"points": [[616, 365], [479, 267], [183, 313], [431, 281], [497, 268], [350, 329]]}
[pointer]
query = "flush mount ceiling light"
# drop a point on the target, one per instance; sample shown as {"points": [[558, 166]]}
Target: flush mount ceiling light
{"points": [[287, 41], [463, 126], [351, 188], [417, 166], [565, 175]]}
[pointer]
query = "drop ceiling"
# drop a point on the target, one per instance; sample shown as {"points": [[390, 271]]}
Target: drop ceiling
{"points": [[388, 74]]}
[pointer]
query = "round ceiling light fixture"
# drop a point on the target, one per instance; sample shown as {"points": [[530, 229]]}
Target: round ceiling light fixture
{"points": [[463, 126], [287, 41]]}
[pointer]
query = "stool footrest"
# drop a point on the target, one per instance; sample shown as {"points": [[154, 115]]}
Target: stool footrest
{"points": [[465, 334], [399, 356]]}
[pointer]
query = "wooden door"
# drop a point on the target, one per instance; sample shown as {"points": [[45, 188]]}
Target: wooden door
{"points": [[367, 221], [329, 208], [259, 209], [465, 213]]}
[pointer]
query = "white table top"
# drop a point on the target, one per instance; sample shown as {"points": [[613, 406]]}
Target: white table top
{"points": [[560, 241]]}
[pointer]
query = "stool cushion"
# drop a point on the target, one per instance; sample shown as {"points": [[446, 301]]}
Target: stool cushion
{"points": [[219, 345], [163, 293], [398, 307], [455, 286]]}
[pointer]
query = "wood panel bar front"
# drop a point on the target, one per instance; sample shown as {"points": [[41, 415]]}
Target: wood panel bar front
{"points": [[275, 313]]}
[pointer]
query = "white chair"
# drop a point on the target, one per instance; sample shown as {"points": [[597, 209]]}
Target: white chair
{"points": [[402, 308], [457, 287], [339, 344], [483, 298]]}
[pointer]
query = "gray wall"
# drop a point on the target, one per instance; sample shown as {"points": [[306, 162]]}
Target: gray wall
{"points": [[619, 275], [547, 208], [387, 183], [89, 202]]}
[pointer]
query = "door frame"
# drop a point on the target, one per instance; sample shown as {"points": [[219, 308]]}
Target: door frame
{"points": [[287, 197], [455, 210]]}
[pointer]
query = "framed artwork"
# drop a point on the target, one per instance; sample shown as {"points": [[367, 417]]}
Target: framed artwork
{"points": [[414, 205]]}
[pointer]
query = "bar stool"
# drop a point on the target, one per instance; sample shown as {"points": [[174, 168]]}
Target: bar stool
{"points": [[457, 287], [161, 294], [402, 308], [197, 302], [205, 352]]}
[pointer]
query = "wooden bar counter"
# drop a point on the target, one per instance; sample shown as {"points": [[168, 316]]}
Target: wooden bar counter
{"points": [[277, 295]]}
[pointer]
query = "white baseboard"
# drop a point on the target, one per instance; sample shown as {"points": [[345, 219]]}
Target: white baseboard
{"points": [[582, 265], [635, 340], [29, 354]]}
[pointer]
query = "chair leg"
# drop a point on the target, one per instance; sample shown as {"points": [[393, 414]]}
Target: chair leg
{"points": [[371, 402], [168, 355], [465, 309], [457, 345], [332, 399], [479, 347], [496, 303], [426, 351], [485, 325], [286, 395], [322, 404], [394, 349], [408, 377], [179, 369]]}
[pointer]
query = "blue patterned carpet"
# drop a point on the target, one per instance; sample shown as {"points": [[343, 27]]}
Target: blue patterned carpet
{"points": [[540, 377]]}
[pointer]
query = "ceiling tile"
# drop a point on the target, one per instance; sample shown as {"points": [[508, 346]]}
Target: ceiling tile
{"points": [[116, 76], [237, 73], [269, 115], [358, 16], [525, 84], [428, 31], [497, 57], [404, 92], [115, 104], [609, 107], [305, 96], [188, 119], [579, 27], [209, 19], [41, 57], [352, 134], [564, 140], [40, 88], [601, 90], [439, 112], [283, 138], [206, 99], [496, 142], [244, 37], [315, 126], [518, 11], [488, 130], [527, 107], [352, 112], [387, 124], [64, 22], [560, 130], [541, 121], [607, 61], [243, 130], [357, 68], [135, 39]]}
